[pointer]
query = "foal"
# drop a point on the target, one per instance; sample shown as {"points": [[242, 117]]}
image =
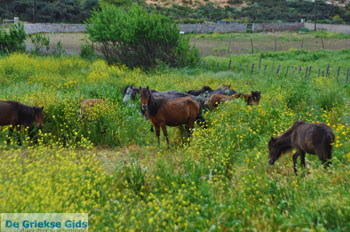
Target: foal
{"points": [[253, 97], [16, 114], [313, 138], [168, 112]]}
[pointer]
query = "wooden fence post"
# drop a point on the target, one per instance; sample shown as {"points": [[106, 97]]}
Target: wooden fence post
{"points": [[278, 69], [322, 43], [259, 63], [287, 71], [306, 72], [338, 73], [229, 64], [327, 73], [275, 44], [309, 71], [252, 71], [251, 42], [302, 43]]}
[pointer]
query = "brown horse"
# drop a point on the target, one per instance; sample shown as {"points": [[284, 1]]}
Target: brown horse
{"points": [[217, 99], [87, 104], [253, 97], [17, 114], [313, 138], [164, 112]]}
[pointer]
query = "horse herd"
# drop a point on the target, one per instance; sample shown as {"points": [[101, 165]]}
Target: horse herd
{"points": [[173, 108]]}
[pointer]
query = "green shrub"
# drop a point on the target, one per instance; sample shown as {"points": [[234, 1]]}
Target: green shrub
{"points": [[13, 40], [87, 51], [41, 44], [304, 30], [137, 38]]}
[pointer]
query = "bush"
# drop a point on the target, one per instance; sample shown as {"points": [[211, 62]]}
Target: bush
{"points": [[13, 40], [137, 38], [40, 42], [87, 51]]}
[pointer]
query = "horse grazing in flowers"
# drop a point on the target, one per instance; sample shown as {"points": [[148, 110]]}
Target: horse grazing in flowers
{"points": [[164, 112], [313, 138], [253, 97], [87, 104], [17, 114], [217, 99]]}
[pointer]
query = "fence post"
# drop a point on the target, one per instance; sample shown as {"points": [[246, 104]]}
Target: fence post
{"points": [[229, 46], [327, 73], [278, 69], [252, 71], [306, 71], [287, 71], [251, 42], [275, 44], [308, 75], [322, 43], [302, 43], [338, 73], [229, 64], [265, 66], [259, 63]]}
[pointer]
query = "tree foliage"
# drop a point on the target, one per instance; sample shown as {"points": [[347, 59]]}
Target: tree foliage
{"points": [[139, 39], [13, 39]]}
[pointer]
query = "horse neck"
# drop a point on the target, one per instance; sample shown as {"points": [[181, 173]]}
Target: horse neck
{"points": [[285, 139], [154, 104], [25, 113]]}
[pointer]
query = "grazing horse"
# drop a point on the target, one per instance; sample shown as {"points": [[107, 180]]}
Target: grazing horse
{"points": [[168, 112], [130, 93], [217, 99], [253, 97], [313, 138], [17, 114], [204, 89], [87, 104]]}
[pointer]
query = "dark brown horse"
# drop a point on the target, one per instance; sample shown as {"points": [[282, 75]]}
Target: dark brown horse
{"points": [[313, 138], [164, 112], [253, 97], [204, 89], [17, 114]]}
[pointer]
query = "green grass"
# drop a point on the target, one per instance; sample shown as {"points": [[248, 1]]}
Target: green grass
{"points": [[110, 166]]}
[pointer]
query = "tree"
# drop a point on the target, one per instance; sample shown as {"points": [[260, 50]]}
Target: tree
{"points": [[139, 39]]}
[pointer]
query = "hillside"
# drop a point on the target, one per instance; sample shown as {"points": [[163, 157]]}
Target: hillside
{"points": [[224, 3]]}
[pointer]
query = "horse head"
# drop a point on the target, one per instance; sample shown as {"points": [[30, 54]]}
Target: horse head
{"points": [[275, 150], [145, 96], [39, 116]]}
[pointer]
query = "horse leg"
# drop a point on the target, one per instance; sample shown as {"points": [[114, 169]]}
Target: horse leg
{"points": [[10, 134], [165, 133], [157, 132], [302, 159], [295, 159]]}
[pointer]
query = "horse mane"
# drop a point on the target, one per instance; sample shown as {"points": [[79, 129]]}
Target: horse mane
{"points": [[154, 103], [26, 114]]}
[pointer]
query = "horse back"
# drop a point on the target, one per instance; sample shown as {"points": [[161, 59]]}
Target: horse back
{"points": [[311, 137], [9, 113], [177, 111]]}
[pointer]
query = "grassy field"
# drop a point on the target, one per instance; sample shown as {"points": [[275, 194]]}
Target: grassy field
{"points": [[110, 166], [232, 43]]}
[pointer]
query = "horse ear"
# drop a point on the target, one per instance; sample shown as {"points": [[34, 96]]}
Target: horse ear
{"points": [[147, 88], [140, 89], [42, 108]]}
